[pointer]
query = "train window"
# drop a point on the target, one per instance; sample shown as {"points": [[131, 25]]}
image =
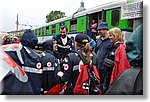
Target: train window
{"points": [[130, 22], [42, 31], [115, 18], [73, 25], [100, 17], [103, 15], [62, 23], [47, 30], [37, 32], [53, 29]]}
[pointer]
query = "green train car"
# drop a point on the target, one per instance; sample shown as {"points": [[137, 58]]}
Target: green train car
{"points": [[80, 22]]}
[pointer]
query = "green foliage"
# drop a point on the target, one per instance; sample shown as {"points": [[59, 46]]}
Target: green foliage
{"points": [[54, 15]]}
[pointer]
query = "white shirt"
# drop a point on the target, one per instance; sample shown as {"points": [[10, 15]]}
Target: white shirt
{"points": [[64, 41]]}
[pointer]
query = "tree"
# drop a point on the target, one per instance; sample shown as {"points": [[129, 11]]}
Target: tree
{"points": [[53, 15]]}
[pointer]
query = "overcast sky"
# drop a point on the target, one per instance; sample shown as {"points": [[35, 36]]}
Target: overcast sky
{"points": [[33, 12]]}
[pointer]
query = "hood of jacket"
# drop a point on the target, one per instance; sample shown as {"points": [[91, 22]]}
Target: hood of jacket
{"points": [[134, 47], [29, 39], [48, 45]]}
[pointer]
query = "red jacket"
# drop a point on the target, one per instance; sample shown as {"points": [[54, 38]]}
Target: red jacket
{"points": [[121, 62], [83, 79]]}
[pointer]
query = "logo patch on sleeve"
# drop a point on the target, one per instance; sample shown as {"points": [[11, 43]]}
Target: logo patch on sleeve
{"points": [[65, 66], [49, 64], [38, 65]]}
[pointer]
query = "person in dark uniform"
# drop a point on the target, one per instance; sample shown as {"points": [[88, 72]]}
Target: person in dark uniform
{"points": [[24, 55], [50, 65], [64, 43], [71, 69]]}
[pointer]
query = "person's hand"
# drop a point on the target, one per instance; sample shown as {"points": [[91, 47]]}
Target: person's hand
{"points": [[67, 46], [60, 74]]}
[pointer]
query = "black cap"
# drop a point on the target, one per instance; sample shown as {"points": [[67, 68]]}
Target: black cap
{"points": [[82, 39]]}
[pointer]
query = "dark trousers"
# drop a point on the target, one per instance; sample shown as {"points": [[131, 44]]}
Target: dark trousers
{"points": [[108, 72], [102, 77]]}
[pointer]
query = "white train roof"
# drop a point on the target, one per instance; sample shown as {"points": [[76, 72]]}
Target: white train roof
{"points": [[109, 5]]}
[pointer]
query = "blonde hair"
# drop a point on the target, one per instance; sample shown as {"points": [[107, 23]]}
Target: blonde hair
{"points": [[86, 48], [117, 33]]}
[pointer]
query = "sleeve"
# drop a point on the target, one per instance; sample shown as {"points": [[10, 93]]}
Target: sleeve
{"points": [[71, 45], [68, 67], [57, 69], [122, 60]]}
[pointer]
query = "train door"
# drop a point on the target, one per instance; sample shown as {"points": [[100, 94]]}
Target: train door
{"points": [[91, 17], [98, 17]]}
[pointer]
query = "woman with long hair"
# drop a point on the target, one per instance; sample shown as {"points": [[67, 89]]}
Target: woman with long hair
{"points": [[116, 61], [72, 69]]}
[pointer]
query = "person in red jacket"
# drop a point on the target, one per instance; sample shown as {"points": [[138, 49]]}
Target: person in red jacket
{"points": [[16, 40], [75, 74], [119, 60]]}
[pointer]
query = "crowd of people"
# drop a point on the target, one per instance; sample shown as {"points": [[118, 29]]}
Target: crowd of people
{"points": [[84, 67], [8, 40]]}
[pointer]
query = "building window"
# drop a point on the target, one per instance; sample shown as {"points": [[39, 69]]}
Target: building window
{"points": [[53, 29], [115, 18], [73, 25]]}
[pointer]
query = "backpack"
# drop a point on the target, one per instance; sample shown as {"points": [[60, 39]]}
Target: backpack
{"points": [[109, 58], [88, 81]]}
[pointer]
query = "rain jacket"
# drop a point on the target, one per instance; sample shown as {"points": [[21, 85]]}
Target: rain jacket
{"points": [[120, 63], [24, 55], [50, 65], [130, 82], [13, 80], [62, 52]]}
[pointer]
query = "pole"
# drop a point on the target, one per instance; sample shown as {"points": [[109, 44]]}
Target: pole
{"points": [[17, 23]]}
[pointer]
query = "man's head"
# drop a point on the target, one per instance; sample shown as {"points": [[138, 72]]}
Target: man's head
{"points": [[102, 29], [63, 31]]}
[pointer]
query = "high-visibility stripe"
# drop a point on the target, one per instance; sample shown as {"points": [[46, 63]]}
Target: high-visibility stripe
{"points": [[14, 47], [27, 50], [20, 57], [76, 67], [32, 70], [48, 68], [11, 47]]}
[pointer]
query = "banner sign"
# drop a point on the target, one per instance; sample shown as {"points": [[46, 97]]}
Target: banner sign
{"points": [[132, 10]]}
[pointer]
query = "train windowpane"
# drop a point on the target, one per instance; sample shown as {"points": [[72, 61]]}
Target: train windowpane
{"points": [[62, 23], [73, 25], [115, 18], [42, 31], [53, 29], [104, 16], [130, 22], [37, 32], [100, 17], [47, 30]]}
